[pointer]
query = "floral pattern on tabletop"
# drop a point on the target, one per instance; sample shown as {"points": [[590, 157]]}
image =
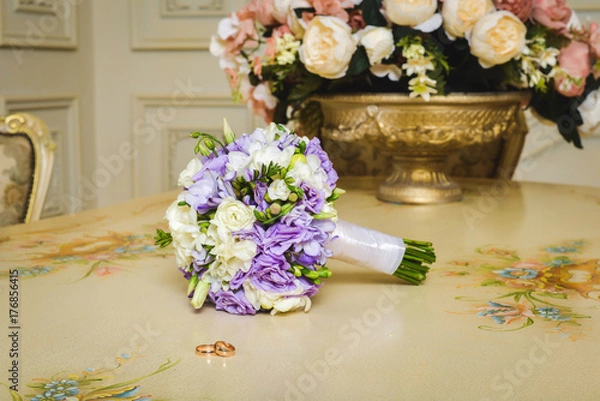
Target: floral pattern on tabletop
{"points": [[103, 254], [533, 289], [89, 385]]}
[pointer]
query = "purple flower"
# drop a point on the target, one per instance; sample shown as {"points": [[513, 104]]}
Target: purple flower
{"points": [[233, 302], [313, 200], [259, 196], [270, 273], [201, 191], [280, 237]]}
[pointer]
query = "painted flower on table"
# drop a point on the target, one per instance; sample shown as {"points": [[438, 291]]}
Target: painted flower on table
{"points": [[541, 285], [503, 313], [100, 252]]}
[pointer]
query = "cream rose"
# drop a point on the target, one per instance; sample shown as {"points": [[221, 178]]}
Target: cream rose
{"points": [[378, 42], [409, 12], [233, 215], [328, 47], [461, 15], [184, 231], [185, 178], [497, 38]]}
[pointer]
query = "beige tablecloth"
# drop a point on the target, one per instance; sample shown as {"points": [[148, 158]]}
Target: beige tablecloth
{"points": [[509, 311]]}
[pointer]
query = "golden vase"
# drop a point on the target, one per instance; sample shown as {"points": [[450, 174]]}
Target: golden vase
{"points": [[419, 135]]}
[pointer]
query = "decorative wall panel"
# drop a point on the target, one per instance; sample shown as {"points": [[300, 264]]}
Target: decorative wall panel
{"points": [[38, 24]]}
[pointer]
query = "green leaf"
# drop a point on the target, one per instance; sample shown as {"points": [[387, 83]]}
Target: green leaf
{"points": [[403, 31], [491, 282], [359, 62], [371, 13], [552, 295]]}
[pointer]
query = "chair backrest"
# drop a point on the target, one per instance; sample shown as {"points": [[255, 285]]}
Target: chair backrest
{"points": [[26, 158]]}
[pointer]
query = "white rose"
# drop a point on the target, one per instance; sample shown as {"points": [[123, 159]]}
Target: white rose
{"points": [[378, 42], [461, 15], [497, 38], [328, 47], [590, 113], [185, 178], [271, 154], [409, 12], [311, 173], [184, 229], [233, 215], [278, 190]]}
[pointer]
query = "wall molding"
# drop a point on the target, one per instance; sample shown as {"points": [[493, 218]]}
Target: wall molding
{"points": [[160, 123], [176, 24], [64, 194], [43, 24]]}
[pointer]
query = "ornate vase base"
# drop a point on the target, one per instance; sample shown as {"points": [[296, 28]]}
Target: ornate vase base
{"points": [[419, 180]]}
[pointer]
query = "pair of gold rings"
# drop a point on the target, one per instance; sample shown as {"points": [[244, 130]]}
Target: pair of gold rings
{"points": [[220, 348]]}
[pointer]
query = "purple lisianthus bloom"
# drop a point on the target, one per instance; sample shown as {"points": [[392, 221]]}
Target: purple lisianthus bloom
{"points": [[298, 216], [232, 302], [271, 273], [313, 200], [214, 163], [238, 280], [309, 287], [314, 148], [280, 237]]}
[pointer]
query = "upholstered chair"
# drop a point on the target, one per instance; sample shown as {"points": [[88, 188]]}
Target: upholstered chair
{"points": [[26, 158]]}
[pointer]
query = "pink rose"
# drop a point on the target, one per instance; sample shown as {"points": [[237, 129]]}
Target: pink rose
{"points": [[551, 13], [594, 39], [334, 8], [575, 61], [264, 12], [520, 8]]}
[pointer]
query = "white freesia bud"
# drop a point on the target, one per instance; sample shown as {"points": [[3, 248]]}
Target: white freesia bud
{"points": [[228, 134], [200, 293], [497, 38], [185, 177], [278, 190], [233, 215], [378, 42], [328, 47], [590, 113], [461, 15], [409, 12]]}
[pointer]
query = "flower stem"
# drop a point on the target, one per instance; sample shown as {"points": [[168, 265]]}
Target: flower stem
{"points": [[414, 266]]}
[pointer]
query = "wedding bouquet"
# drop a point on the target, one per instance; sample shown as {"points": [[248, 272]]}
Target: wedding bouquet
{"points": [[277, 53], [255, 224]]}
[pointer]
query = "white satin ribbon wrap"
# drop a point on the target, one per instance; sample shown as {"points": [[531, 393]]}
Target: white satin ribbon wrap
{"points": [[365, 247]]}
